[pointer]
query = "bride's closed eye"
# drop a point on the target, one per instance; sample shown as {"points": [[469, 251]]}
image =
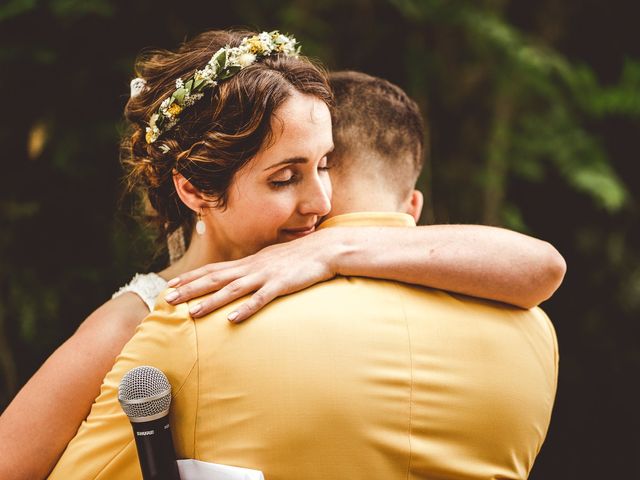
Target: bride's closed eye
{"points": [[290, 175], [323, 165], [284, 177]]}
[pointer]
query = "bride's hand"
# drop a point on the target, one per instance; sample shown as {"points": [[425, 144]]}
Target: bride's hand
{"points": [[273, 271]]}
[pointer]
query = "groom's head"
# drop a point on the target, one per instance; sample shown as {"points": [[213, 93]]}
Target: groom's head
{"points": [[379, 138]]}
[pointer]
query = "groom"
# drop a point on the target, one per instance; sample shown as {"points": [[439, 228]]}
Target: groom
{"points": [[353, 378]]}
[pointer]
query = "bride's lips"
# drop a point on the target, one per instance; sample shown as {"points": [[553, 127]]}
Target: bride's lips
{"points": [[299, 232]]}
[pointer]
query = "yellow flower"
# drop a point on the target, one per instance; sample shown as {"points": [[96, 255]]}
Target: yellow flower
{"points": [[255, 46], [174, 109], [149, 136]]}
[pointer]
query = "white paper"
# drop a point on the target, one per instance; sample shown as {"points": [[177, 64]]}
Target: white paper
{"points": [[196, 470]]}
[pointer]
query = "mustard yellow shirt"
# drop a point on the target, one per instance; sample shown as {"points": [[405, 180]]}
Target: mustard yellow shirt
{"points": [[350, 379]]}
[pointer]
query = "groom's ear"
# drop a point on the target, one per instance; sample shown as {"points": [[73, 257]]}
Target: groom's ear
{"points": [[413, 205], [190, 195]]}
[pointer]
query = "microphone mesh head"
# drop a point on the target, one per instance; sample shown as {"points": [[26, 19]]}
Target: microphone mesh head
{"points": [[144, 392]]}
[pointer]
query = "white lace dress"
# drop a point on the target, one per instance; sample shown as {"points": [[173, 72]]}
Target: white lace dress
{"points": [[146, 285]]}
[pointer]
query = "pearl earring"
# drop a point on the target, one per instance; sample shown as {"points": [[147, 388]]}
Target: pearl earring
{"points": [[201, 227]]}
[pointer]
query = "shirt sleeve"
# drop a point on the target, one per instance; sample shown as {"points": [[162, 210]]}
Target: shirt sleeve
{"points": [[104, 446]]}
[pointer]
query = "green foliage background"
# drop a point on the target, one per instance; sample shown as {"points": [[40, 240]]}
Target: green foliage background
{"points": [[534, 113]]}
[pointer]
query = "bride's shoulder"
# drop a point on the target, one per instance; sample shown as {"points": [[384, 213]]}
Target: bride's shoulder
{"points": [[120, 315]]}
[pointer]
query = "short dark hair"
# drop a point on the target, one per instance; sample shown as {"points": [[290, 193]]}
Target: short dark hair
{"points": [[376, 121]]}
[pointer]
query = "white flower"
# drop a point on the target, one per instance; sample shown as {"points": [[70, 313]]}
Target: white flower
{"points": [[153, 120], [193, 98], [179, 83], [203, 74], [165, 104], [265, 38], [137, 86], [233, 54], [246, 59]]}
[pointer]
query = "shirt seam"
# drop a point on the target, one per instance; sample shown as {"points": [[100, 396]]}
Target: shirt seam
{"points": [[197, 367], [410, 427], [106, 466]]}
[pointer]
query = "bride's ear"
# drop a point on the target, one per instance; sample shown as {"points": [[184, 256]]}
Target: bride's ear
{"points": [[190, 195], [413, 204]]}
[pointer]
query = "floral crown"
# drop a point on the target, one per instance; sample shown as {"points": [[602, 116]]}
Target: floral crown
{"points": [[224, 64]]}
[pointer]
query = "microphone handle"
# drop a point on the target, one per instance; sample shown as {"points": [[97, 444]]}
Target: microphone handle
{"points": [[155, 449]]}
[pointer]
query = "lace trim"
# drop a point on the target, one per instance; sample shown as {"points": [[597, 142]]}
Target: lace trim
{"points": [[146, 285]]}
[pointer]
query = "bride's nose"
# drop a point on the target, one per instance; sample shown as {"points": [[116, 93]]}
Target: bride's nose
{"points": [[316, 198]]}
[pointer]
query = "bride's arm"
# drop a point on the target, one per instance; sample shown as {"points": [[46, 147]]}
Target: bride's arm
{"points": [[481, 261], [45, 415]]}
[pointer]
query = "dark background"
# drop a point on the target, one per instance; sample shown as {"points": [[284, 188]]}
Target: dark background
{"points": [[534, 113]]}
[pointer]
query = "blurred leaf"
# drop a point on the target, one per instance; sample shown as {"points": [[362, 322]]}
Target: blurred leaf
{"points": [[27, 308], [623, 99], [77, 8], [66, 151], [529, 168], [630, 293], [17, 53], [44, 55], [555, 136], [13, 8], [512, 218], [13, 211], [601, 183]]}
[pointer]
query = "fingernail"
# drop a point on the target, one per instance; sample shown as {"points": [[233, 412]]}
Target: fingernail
{"points": [[232, 316], [171, 296], [195, 309], [173, 282]]}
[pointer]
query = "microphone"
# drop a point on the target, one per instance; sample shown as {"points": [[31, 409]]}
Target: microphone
{"points": [[145, 395]]}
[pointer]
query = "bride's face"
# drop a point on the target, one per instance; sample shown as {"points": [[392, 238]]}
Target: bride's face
{"points": [[283, 191]]}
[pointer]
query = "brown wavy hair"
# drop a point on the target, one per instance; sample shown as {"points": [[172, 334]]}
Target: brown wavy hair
{"points": [[215, 137]]}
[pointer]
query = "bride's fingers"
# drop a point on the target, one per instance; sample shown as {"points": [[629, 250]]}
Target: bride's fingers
{"points": [[208, 283], [192, 275], [255, 303], [234, 290]]}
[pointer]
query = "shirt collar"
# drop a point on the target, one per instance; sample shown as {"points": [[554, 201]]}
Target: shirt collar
{"points": [[370, 219]]}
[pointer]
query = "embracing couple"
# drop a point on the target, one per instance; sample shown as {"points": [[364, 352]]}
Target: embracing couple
{"points": [[398, 351]]}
